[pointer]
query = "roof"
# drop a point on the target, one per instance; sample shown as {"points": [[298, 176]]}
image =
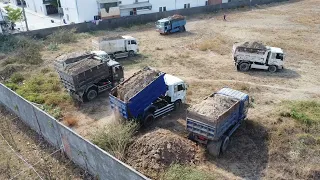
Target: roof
{"points": [[135, 5], [171, 80], [233, 93], [276, 50]]}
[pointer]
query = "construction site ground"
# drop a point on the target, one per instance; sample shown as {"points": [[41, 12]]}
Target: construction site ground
{"points": [[202, 57]]}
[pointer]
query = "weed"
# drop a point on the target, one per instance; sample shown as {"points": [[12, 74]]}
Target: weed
{"points": [[70, 121], [179, 172], [16, 78], [305, 112], [53, 46], [116, 137], [63, 36], [53, 111], [45, 70], [218, 44]]}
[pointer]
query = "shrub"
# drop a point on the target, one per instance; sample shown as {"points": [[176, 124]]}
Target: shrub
{"points": [[16, 78], [115, 138], [179, 172], [53, 46], [63, 36]]}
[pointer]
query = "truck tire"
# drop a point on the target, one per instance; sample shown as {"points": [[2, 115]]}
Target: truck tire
{"points": [[91, 94], [214, 148], [177, 105], [131, 53], [148, 119], [244, 67], [182, 29], [225, 143], [272, 68]]}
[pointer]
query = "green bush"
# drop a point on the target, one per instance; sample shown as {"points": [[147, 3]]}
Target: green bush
{"points": [[16, 78], [63, 36], [53, 46], [115, 138], [179, 172]]}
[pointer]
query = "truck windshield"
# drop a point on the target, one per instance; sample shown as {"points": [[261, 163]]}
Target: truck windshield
{"points": [[279, 56], [160, 24]]}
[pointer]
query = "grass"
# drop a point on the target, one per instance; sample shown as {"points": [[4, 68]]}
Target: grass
{"points": [[180, 172], [304, 112], [218, 44], [62, 36], [115, 138], [17, 78]]}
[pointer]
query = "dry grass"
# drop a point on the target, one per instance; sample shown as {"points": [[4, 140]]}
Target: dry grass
{"points": [[311, 20], [70, 121], [219, 44]]}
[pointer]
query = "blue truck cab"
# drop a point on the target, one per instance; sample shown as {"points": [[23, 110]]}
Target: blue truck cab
{"points": [[215, 132], [171, 24], [164, 94]]}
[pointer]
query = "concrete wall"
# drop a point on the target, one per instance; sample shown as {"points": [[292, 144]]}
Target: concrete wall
{"points": [[70, 11], [146, 18], [82, 152], [88, 9]]}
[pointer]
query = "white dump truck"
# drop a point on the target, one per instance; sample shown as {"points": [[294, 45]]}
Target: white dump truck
{"points": [[258, 56], [117, 47]]}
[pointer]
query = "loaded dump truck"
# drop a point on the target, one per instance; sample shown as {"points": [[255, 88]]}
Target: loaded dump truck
{"points": [[171, 24], [147, 95], [255, 55], [216, 118], [85, 74], [117, 47]]}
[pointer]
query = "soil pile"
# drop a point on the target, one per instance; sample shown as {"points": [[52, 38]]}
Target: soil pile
{"points": [[136, 83], [81, 66], [254, 44], [153, 152], [213, 106]]}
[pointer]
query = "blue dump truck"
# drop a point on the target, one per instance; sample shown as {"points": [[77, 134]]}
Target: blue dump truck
{"points": [[216, 118], [147, 95], [171, 24]]}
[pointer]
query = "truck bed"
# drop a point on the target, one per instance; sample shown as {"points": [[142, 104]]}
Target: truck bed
{"points": [[213, 116], [132, 96]]}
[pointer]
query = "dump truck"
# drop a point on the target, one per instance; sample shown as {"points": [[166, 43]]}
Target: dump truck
{"points": [[118, 46], [171, 24], [86, 74], [148, 94], [216, 118], [258, 56]]}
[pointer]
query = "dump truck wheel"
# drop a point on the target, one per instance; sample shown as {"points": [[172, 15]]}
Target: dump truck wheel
{"points": [[214, 148], [272, 69], [226, 141], [91, 94], [131, 53], [177, 105], [148, 120], [184, 28], [244, 67]]}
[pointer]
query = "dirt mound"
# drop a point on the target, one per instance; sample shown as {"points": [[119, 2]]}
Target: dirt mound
{"points": [[213, 106], [136, 83], [81, 66], [254, 44], [153, 152]]}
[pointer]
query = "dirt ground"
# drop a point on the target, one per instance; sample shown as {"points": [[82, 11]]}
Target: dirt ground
{"points": [[202, 57], [48, 163]]}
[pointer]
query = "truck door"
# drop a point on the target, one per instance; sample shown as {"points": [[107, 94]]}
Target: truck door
{"points": [[132, 45], [179, 92]]}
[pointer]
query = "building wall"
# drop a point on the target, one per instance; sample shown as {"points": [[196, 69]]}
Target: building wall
{"points": [[36, 6], [87, 10], [70, 12]]}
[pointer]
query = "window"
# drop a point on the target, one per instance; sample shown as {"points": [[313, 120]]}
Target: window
{"points": [[189, 5], [164, 8], [207, 3], [119, 2], [185, 6], [180, 87], [279, 56], [133, 42], [128, 42], [160, 9], [273, 55]]}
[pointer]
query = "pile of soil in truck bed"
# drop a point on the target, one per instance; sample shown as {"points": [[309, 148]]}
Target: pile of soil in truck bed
{"points": [[136, 83], [81, 66], [155, 151], [254, 45], [214, 106]]}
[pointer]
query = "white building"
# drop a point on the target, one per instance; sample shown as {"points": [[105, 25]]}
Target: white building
{"points": [[77, 11]]}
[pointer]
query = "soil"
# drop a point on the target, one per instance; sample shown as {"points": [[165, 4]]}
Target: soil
{"points": [[81, 66], [214, 106], [254, 45], [136, 83], [155, 151]]}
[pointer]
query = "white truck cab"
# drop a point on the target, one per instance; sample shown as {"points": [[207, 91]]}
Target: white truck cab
{"points": [[177, 88], [261, 57]]}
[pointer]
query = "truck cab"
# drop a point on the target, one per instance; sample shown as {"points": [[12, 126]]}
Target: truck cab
{"points": [[131, 45], [275, 57], [176, 88]]}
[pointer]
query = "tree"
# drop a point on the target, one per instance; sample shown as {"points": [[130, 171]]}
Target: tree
{"points": [[14, 15]]}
